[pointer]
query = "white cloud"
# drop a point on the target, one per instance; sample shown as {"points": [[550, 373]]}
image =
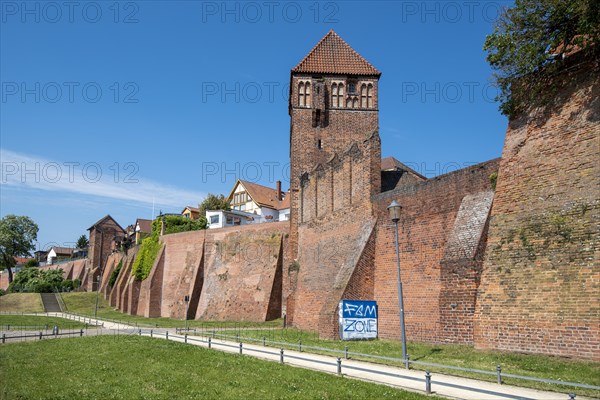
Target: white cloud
{"points": [[31, 172]]}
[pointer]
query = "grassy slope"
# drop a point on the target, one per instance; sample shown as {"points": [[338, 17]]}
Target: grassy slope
{"points": [[31, 321], [21, 302], [458, 355], [85, 302], [132, 367]]}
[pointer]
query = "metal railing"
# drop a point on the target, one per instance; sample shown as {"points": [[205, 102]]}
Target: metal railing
{"points": [[60, 300], [122, 322], [39, 335], [498, 373], [213, 333], [115, 321], [23, 327], [428, 379], [85, 320]]}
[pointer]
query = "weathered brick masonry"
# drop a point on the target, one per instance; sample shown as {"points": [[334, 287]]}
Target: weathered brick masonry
{"points": [[239, 273], [441, 231], [540, 284]]}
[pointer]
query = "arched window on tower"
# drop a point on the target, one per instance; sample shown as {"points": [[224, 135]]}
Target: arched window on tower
{"points": [[301, 99], [334, 95], [351, 88], [307, 89], [341, 94], [370, 96], [355, 103], [363, 96], [348, 102]]}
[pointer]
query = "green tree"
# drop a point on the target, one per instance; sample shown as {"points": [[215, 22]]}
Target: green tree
{"points": [[35, 280], [82, 242], [214, 202], [25, 280], [535, 35], [17, 237]]}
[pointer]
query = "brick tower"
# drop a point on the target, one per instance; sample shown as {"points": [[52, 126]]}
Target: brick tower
{"points": [[333, 104], [335, 155]]}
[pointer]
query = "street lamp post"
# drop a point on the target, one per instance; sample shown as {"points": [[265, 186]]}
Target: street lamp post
{"points": [[395, 210], [187, 302]]}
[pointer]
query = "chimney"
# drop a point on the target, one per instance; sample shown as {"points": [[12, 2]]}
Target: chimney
{"points": [[278, 188]]}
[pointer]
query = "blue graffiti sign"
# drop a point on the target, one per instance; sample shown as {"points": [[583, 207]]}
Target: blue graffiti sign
{"points": [[358, 319]]}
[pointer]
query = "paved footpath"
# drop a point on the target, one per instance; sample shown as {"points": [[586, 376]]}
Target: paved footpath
{"points": [[412, 380]]}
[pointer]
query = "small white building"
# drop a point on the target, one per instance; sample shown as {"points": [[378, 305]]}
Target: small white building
{"points": [[222, 218], [251, 203]]}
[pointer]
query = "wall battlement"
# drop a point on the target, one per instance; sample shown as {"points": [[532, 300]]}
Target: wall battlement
{"points": [[347, 180]]}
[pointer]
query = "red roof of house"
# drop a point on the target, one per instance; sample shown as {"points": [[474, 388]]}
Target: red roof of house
{"points": [[103, 220], [22, 260], [285, 203], [332, 55], [263, 196], [65, 251], [391, 164], [144, 224]]}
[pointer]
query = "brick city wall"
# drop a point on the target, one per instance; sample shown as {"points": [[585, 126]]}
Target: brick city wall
{"points": [[229, 274], [440, 231], [116, 293], [240, 267], [540, 282], [511, 269], [183, 256], [4, 280]]}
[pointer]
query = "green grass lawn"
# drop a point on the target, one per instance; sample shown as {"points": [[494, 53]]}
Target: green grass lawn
{"points": [[21, 302], [85, 302], [133, 367], [15, 321], [457, 355]]}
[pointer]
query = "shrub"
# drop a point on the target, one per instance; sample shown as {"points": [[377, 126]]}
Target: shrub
{"points": [[67, 285], [145, 258], [177, 223], [494, 180], [115, 274]]}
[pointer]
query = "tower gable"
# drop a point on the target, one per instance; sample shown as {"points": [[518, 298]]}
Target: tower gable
{"points": [[332, 55]]}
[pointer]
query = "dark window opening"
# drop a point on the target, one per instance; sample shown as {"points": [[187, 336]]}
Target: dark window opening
{"points": [[351, 88], [319, 146]]}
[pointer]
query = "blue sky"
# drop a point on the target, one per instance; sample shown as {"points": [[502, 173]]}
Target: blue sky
{"points": [[122, 108]]}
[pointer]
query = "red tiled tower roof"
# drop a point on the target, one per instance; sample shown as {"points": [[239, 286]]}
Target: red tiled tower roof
{"points": [[332, 55]]}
